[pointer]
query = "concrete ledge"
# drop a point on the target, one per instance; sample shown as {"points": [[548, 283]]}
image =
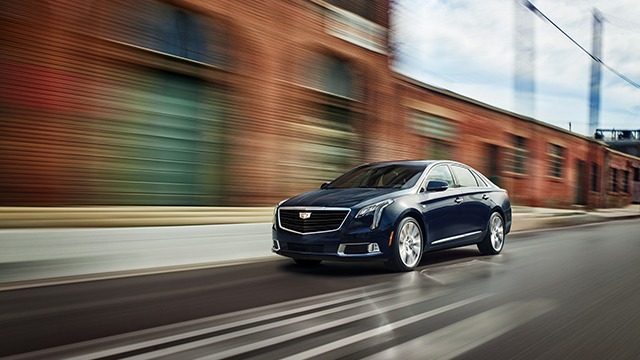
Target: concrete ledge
{"points": [[128, 216], [39, 254]]}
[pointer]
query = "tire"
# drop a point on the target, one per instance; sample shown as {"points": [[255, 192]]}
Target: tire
{"points": [[307, 262], [493, 241], [407, 246]]}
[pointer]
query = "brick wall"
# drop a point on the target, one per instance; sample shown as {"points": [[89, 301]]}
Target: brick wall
{"points": [[97, 109], [483, 133]]}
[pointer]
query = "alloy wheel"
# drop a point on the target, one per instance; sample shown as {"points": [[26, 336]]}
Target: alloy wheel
{"points": [[410, 244]]}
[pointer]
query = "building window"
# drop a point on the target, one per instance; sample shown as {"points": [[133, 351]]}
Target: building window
{"points": [[439, 149], [438, 131], [518, 155], [625, 181], [332, 75], [431, 126], [167, 29], [594, 177], [372, 10], [614, 180], [326, 145], [556, 154], [636, 174]]}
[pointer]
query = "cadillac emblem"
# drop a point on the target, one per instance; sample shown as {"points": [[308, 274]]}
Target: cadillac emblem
{"points": [[304, 215]]}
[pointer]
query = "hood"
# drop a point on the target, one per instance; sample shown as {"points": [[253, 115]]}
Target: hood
{"points": [[339, 197]]}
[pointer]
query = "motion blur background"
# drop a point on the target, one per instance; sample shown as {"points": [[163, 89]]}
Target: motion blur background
{"points": [[245, 103]]}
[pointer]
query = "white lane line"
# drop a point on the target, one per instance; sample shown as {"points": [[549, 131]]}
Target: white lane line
{"points": [[460, 337], [335, 323], [270, 341], [367, 296], [380, 330], [455, 273]]}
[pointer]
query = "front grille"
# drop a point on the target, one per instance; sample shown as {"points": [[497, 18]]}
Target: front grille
{"points": [[318, 220], [307, 248]]}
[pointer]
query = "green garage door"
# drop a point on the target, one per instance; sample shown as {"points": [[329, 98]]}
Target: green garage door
{"points": [[164, 142]]}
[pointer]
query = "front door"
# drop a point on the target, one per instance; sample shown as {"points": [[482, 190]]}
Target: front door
{"points": [[441, 210]]}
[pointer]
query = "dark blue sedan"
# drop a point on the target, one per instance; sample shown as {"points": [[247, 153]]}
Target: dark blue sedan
{"points": [[393, 212]]}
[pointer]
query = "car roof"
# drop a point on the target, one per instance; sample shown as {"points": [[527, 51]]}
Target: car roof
{"points": [[401, 162], [413, 162]]}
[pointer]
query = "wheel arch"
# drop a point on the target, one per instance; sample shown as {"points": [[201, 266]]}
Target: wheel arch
{"points": [[417, 216], [500, 211]]}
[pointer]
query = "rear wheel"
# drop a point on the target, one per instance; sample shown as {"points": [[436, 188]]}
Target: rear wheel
{"points": [[407, 246], [493, 242], [307, 262]]}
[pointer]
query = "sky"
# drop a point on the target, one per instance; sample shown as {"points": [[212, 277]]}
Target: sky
{"points": [[468, 47]]}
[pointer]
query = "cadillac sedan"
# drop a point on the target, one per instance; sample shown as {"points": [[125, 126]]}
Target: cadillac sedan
{"points": [[393, 212]]}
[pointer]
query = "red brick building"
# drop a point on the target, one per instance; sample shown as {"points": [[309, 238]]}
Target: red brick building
{"points": [[234, 102]]}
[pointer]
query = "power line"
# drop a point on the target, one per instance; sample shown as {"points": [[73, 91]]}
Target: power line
{"points": [[622, 23], [536, 11]]}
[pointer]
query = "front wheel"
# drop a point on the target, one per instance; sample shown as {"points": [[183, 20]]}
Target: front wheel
{"points": [[493, 242], [407, 246]]}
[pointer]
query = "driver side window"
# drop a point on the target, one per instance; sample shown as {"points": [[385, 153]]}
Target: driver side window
{"points": [[442, 173]]}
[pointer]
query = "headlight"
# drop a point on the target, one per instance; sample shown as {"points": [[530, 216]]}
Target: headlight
{"points": [[376, 209]]}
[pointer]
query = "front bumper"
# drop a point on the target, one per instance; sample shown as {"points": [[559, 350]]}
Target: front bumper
{"points": [[354, 241]]}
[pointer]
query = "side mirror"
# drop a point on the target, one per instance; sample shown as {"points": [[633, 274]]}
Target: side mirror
{"points": [[324, 186], [437, 185]]}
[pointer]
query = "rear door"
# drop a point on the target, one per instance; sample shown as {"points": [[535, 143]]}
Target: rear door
{"points": [[476, 201]]}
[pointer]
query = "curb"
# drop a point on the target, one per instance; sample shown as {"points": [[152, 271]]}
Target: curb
{"points": [[532, 224], [128, 216]]}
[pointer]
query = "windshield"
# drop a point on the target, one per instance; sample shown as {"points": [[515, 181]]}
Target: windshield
{"points": [[391, 176]]}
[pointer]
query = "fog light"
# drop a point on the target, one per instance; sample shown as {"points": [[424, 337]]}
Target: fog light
{"points": [[276, 245], [373, 247]]}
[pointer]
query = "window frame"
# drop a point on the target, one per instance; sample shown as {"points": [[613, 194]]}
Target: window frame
{"points": [[446, 166], [556, 155], [517, 155], [595, 172]]}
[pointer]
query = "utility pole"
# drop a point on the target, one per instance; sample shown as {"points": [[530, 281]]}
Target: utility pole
{"points": [[524, 76], [594, 96]]}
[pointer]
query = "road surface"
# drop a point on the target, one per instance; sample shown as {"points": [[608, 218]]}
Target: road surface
{"points": [[570, 293]]}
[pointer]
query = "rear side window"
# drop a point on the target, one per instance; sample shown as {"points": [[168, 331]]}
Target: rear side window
{"points": [[480, 180], [464, 176]]}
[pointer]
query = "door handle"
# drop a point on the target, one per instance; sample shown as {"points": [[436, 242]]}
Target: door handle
{"points": [[458, 200], [485, 197]]}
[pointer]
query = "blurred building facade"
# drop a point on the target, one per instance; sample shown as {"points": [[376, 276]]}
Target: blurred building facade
{"points": [[238, 102]]}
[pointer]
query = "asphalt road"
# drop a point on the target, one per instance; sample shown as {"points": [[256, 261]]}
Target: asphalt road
{"points": [[569, 293]]}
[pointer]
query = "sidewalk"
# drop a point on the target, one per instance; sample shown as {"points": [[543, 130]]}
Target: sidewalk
{"points": [[44, 245], [529, 218]]}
